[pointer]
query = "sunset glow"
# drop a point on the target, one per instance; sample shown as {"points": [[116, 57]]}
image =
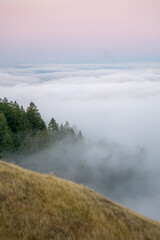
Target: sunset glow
{"points": [[90, 30]]}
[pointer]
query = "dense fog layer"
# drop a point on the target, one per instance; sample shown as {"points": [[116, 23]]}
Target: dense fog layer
{"points": [[117, 107]]}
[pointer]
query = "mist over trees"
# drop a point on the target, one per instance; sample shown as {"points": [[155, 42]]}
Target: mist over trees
{"points": [[122, 174], [25, 132]]}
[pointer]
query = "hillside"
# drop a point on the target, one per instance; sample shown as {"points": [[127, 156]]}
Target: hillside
{"points": [[44, 207]]}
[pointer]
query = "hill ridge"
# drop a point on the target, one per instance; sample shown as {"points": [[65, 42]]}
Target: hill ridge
{"points": [[36, 206]]}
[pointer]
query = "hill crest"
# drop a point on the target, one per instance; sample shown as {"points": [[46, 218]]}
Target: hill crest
{"points": [[34, 206]]}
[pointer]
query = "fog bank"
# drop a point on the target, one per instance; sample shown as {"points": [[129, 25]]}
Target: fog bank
{"points": [[117, 172], [118, 103]]}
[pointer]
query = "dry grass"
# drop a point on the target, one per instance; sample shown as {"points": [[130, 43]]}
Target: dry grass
{"points": [[43, 207]]}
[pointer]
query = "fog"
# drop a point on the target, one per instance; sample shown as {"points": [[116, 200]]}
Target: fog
{"points": [[117, 107]]}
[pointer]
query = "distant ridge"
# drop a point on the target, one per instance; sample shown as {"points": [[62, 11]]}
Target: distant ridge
{"points": [[43, 207]]}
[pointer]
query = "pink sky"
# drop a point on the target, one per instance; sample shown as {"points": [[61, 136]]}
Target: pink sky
{"points": [[77, 29]]}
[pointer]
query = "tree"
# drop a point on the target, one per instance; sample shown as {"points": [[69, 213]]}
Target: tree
{"points": [[40, 140], [69, 132], [80, 136], [24, 131], [3, 126], [6, 141], [35, 119], [66, 127], [53, 129], [24, 123], [62, 131]]}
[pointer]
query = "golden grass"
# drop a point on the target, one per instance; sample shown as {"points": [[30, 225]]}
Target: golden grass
{"points": [[43, 207]]}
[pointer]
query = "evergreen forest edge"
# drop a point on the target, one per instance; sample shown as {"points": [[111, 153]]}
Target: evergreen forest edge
{"points": [[25, 132]]}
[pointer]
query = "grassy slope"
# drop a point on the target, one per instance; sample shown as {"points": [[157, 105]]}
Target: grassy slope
{"points": [[36, 207]]}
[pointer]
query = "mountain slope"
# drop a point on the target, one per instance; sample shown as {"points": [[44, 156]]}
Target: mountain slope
{"points": [[43, 207]]}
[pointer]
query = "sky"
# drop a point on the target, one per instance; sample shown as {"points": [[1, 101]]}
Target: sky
{"points": [[79, 31]]}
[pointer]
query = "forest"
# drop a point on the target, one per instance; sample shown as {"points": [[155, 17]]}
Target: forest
{"points": [[25, 132]]}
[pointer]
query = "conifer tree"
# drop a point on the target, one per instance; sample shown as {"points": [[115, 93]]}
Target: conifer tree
{"points": [[34, 118], [6, 142], [40, 140], [25, 131], [53, 129], [3, 126], [80, 136], [69, 131], [62, 131], [66, 127]]}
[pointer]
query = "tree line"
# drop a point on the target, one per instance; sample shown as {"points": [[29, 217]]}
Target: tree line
{"points": [[24, 131]]}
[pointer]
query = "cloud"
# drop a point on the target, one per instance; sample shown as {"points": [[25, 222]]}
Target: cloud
{"points": [[116, 99]]}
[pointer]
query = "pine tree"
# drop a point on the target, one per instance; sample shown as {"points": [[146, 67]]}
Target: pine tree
{"points": [[53, 129], [80, 136], [41, 140], [3, 126], [66, 127], [35, 119], [62, 131], [6, 141], [25, 131], [69, 132], [7, 109]]}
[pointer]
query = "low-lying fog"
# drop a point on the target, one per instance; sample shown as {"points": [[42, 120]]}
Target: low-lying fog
{"points": [[117, 107]]}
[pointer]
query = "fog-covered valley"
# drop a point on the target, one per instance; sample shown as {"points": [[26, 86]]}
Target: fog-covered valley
{"points": [[117, 107]]}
